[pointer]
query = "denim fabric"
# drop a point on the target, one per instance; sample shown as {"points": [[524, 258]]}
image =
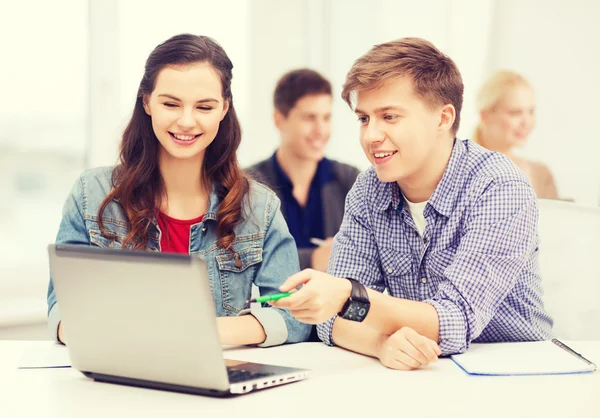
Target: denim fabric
{"points": [[263, 244]]}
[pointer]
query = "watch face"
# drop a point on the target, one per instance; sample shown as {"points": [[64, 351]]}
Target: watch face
{"points": [[357, 311]]}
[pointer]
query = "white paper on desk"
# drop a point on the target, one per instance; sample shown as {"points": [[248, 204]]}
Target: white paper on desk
{"points": [[50, 356], [527, 358]]}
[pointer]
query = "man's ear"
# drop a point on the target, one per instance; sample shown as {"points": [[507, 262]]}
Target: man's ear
{"points": [[145, 99], [225, 109], [447, 117]]}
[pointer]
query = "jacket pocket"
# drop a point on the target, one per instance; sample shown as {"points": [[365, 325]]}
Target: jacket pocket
{"points": [[239, 261], [236, 273], [99, 240]]}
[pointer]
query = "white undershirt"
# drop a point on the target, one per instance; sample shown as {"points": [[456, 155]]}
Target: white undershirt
{"points": [[416, 211]]}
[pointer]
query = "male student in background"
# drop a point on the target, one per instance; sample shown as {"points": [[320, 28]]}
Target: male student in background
{"points": [[446, 226], [312, 188]]}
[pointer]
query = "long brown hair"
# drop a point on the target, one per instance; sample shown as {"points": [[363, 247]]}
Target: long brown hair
{"points": [[137, 183]]}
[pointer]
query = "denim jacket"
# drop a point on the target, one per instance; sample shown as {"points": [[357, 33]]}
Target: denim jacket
{"points": [[263, 244]]}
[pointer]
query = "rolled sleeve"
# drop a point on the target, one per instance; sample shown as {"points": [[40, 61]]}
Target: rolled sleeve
{"points": [[500, 239], [71, 231], [280, 260], [273, 324], [453, 327], [325, 331]]}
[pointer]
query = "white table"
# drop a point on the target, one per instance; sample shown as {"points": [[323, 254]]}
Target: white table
{"points": [[343, 384]]}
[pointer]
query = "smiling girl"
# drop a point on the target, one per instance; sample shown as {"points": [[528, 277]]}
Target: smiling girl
{"points": [[178, 188], [506, 105]]}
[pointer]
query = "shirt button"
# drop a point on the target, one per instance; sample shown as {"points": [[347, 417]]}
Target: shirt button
{"points": [[389, 270], [423, 280]]}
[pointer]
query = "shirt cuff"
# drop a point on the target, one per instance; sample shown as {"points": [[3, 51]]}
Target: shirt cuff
{"points": [[453, 327], [325, 331], [53, 322], [273, 324]]}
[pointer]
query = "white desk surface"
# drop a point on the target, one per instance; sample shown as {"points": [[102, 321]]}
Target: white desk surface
{"points": [[343, 384]]}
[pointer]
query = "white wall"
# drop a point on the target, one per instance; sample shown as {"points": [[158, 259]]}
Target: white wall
{"points": [[278, 42], [137, 27], [550, 42], [70, 73]]}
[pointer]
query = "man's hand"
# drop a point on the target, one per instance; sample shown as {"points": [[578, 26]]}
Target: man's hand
{"points": [[321, 297], [407, 350], [321, 254]]}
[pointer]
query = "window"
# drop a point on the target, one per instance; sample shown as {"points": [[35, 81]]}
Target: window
{"points": [[43, 139]]}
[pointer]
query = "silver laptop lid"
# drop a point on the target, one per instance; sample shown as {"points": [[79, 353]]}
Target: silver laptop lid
{"points": [[140, 315]]}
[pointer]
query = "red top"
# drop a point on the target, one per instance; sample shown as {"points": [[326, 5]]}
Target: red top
{"points": [[175, 236]]}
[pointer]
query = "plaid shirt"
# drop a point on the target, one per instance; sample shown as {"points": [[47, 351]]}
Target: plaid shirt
{"points": [[476, 263]]}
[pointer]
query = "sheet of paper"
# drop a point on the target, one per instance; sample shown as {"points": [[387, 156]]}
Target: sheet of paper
{"points": [[50, 356], [527, 358]]}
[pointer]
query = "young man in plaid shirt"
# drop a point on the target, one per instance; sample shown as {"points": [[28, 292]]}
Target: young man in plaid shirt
{"points": [[448, 228]]}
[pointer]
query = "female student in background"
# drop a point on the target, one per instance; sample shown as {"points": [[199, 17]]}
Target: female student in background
{"points": [[506, 106], [178, 188]]}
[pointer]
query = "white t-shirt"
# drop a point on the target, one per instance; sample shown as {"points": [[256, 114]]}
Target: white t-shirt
{"points": [[416, 211]]}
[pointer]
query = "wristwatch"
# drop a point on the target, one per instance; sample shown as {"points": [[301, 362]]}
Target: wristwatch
{"points": [[357, 306]]}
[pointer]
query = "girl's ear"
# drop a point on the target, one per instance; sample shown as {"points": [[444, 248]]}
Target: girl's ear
{"points": [[225, 109], [145, 99]]}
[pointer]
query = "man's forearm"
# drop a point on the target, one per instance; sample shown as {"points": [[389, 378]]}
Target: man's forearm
{"points": [[357, 337], [240, 330], [388, 314]]}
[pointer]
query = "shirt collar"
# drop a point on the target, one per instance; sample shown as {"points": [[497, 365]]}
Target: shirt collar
{"points": [[386, 195], [444, 195], [282, 178], [324, 172]]}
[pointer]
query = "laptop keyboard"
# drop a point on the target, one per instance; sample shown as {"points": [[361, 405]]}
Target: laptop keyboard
{"points": [[238, 375]]}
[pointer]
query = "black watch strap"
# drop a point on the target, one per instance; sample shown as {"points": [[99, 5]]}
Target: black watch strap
{"points": [[359, 292]]}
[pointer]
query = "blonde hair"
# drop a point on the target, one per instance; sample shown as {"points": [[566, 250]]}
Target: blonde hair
{"points": [[493, 90], [434, 75]]}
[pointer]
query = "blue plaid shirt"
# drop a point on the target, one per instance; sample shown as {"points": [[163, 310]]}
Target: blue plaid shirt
{"points": [[476, 263]]}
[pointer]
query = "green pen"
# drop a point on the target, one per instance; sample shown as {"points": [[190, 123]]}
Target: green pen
{"points": [[267, 298]]}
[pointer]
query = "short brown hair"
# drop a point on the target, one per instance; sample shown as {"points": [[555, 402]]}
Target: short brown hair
{"points": [[296, 84], [435, 76]]}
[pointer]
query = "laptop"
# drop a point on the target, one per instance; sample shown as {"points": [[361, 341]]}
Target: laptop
{"points": [[148, 319]]}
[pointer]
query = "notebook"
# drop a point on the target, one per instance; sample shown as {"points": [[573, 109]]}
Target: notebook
{"points": [[526, 358]]}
